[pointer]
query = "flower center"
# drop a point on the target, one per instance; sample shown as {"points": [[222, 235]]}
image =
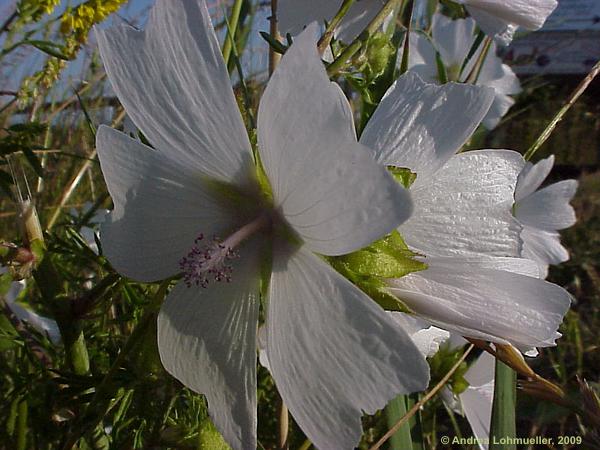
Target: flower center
{"points": [[211, 260]]}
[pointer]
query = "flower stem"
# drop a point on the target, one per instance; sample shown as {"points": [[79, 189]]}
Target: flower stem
{"points": [[328, 35], [474, 74], [96, 409], [580, 89], [503, 423], [417, 406], [233, 24], [344, 58], [406, 49], [394, 412], [274, 57]]}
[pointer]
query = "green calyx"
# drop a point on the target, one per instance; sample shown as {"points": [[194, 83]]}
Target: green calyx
{"points": [[443, 361], [402, 175], [369, 267], [263, 181]]}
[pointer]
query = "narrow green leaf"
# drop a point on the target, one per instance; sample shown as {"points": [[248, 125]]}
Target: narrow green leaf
{"points": [[394, 411], [503, 423], [33, 160], [403, 175], [277, 46], [49, 48]]}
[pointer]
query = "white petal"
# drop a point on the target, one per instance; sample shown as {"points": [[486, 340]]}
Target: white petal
{"points": [[207, 340], [453, 38], [522, 266], [502, 103], [420, 126], [43, 325], [483, 303], [261, 342], [422, 57], [501, 31], [532, 176], [530, 14], [160, 208], [426, 337], [477, 399], [543, 247], [481, 372], [16, 287], [498, 75], [172, 81], [466, 209], [358, 17], [328, 187], [334, 353], [548, 209], [296, 15]]}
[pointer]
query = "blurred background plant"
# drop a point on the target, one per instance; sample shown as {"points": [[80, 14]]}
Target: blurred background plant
{"points": [[102, 386]]}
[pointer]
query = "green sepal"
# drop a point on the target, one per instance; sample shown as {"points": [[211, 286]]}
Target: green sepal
{"points": [[368, 268], [402, 175], [263, 181], [38, 248], [5, 281], [379, 51], [210, 438], [442, 362]]}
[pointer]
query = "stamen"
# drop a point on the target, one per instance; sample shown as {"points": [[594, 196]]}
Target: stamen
{"points": [[206, 261], [210, 261]]}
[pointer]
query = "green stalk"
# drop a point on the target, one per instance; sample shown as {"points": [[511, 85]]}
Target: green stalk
{"points": [[559, 115], [405, 51], [328, 35], [233, 24], [23, 411], [474, 74], [394, 411], [96, 409], [344, 58], [503, 423], [416, 423], [74, 342]]}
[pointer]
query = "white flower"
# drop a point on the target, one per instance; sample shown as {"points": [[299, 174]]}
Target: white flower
{"points": [[43, 325], [426, 337], [334, 354], [453, 39], [476, 282], [476, 401], [88, 232], [542, 213], [500, 18], [295, 15]]}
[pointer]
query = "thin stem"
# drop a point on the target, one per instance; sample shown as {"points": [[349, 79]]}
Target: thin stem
{"points": [[476, 70], [394, 411], [344, 58], [94, 407], [305, 445], [424, 400], [406, 49], [8, 22], [23, 411], [330, 30], [503, 424], [580, 89], [30, 341], [233, 24], [274, 57]]}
